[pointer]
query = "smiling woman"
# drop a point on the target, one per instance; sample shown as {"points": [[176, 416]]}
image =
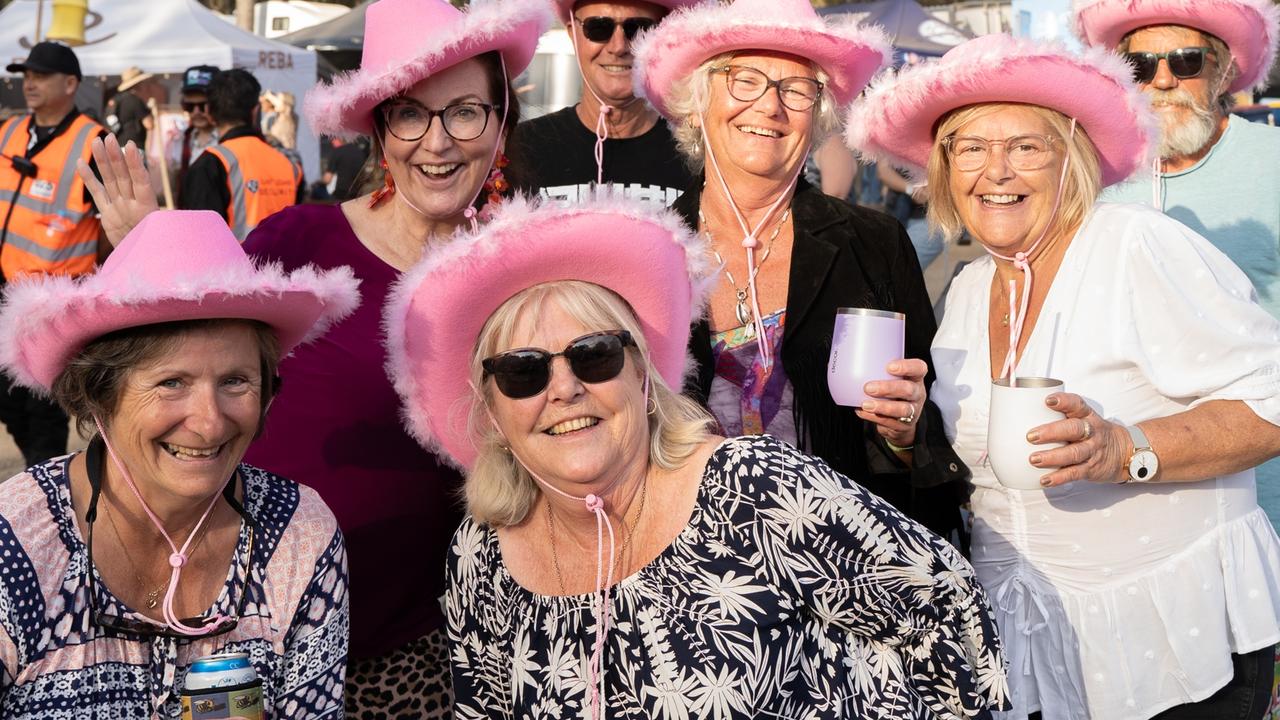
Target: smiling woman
{"points": [[750, 88], [168, 354]]}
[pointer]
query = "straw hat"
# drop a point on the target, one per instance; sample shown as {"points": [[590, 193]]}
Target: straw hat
{"points": [[131, 77]]}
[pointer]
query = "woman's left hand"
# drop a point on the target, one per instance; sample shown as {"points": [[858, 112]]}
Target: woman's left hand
{"points": [[1094, 449], [898, 403]]}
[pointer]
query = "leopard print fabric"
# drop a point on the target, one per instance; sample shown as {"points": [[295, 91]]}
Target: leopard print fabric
{"points": [[411, 683]]}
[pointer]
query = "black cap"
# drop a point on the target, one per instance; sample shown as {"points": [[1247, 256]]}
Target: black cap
{"points": [[197, 79], [50, 57]]}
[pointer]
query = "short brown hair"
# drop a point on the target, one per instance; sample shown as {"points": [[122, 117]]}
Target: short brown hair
{"points": [[90, 385], [1080, 188]]}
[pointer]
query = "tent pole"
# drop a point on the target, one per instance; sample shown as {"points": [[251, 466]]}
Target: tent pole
{"points": [[39, 17]]}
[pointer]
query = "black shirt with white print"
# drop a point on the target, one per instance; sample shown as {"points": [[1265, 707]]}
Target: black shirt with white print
{"points": [[554, 156]]}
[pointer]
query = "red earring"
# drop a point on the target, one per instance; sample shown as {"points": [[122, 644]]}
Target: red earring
{"points": [[388, 186], [495, 186]]}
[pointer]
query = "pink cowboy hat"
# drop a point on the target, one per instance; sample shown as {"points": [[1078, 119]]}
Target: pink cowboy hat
{"points": [[848, 53], [896, 118], [566, 6], [175, 265], [1248, 27], [407, 41], [435, 313]]}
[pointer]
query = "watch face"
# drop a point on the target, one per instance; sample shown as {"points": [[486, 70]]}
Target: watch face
{"points": [[1143, 466]]}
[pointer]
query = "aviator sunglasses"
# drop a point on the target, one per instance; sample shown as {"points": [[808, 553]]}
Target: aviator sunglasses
{"points": [[525, 372], [1184, 63], [600, 29]]}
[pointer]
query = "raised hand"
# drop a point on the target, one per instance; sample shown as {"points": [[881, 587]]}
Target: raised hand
{"points": [[124, 195]]}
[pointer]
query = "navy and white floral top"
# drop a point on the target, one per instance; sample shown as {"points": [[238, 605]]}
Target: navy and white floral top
{"points": [[55, 664], [792, 593]]}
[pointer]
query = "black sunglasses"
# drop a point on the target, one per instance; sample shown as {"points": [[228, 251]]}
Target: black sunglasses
{"points": [[194, 106], [132, 626], [600, 29], [1184, 63], [593, 358]]}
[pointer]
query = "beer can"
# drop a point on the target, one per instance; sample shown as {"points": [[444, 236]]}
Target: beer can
{"points": [[222, 686]]}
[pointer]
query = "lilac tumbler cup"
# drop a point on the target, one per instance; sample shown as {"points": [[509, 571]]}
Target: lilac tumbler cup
{"points": [[863, 344]]}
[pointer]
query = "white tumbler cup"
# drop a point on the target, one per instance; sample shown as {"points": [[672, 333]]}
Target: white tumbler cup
{"points": [[863, 344], [1014, 411]]}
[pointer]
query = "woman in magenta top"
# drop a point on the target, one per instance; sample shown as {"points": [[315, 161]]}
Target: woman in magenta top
{"points": [[434, 93]]}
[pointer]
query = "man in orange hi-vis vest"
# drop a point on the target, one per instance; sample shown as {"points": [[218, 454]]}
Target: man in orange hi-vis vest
{"points": [[49, 225], [241, 177]]}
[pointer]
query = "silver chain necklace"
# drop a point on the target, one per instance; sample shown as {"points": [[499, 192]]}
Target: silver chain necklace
{"points": [[742, 308]]}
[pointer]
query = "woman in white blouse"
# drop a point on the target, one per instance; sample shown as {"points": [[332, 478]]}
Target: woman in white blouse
{"points": [[1143, 581]]}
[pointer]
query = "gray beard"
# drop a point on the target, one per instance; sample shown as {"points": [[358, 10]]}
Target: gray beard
{"points": [[1179, 137]]}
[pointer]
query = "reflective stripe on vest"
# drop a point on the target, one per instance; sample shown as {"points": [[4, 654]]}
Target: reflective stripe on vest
{"points": [[261, 181], [51, 230]]}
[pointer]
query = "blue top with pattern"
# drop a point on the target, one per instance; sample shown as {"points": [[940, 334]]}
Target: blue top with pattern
{"points": [[793, 592], [55, 664]]}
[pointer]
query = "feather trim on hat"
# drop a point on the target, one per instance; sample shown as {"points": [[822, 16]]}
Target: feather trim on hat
{"points": [[1203, 15], [35, 303], [874, 120], [483, 28], [468, 251]]}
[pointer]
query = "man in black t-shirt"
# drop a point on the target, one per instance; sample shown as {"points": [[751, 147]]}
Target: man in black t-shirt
{"points": [[554, 155]]}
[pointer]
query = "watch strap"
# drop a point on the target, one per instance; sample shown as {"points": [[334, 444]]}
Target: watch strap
{"points": [[1140, 441]]}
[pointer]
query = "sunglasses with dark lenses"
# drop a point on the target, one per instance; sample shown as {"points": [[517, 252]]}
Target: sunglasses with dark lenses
{"points": [[195, 106], [1184, 63], [600, 29], [525, 372]]}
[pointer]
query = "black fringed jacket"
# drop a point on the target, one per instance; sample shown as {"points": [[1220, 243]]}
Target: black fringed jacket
{"points": [[846, 256]]}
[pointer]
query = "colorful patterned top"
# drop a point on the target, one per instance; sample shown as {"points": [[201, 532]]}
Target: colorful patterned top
{"points": [[55, 664], [746, 397], [793, 592]]}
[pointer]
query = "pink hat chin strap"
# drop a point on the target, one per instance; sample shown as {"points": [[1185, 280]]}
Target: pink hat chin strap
{"points": [[749, 240], [1022, 261], [602, 126], [470, 212], [594, 503], [179, 557]]}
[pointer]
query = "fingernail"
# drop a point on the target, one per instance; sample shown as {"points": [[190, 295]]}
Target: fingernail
{"points": [[1035, 459], [1033, 437], [1052, 401], [869, 405], [1045, 482]]}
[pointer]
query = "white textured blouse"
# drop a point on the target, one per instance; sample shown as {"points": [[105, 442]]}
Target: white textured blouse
{"points": [[1119, 601]]}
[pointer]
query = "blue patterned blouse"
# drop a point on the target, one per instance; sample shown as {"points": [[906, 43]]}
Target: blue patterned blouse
{"points": [[55, 664], [792, 593]]}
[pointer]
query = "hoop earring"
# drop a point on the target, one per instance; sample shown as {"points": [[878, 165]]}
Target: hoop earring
{"points": [[651, 406], [388, 187], [495, 186]]}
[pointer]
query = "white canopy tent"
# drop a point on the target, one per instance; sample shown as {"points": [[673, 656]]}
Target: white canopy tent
{"points": [[168, 36]]}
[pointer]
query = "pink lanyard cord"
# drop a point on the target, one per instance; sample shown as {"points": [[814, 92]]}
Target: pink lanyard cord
{"points": [[470, 212], [602, 125], [749, 240], [1022, 261], [179, 557], [1157, 183]]}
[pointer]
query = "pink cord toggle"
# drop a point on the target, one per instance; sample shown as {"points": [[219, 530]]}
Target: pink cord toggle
{"points": [[177, 560], [750, 243], [594, 503]]}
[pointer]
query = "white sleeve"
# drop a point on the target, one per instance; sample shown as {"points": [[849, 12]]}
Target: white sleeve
{"points": [[1194, 327]]}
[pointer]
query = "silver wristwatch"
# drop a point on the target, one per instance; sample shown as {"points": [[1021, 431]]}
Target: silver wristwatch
{"points": [[1143, 463]]}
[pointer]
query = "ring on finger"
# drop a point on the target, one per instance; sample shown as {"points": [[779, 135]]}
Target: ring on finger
{"points": [[908, 419], [1088, 431]]}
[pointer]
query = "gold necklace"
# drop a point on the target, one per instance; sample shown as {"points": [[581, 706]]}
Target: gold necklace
{"points": [[626, 542], [742, 309], [153, 597]]}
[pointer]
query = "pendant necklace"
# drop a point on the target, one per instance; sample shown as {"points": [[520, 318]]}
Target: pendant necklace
{"points": [[742, 309], [152, 600]]}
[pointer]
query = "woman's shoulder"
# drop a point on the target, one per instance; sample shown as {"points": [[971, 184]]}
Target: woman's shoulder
{"points": [[286, 507], [818, 212], [766, 469], [1151, 241], [290, 236]]}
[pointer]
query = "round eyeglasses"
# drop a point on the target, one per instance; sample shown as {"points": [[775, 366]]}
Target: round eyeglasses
{"points": [[747, 84], [409, 120], [1023, 152]]}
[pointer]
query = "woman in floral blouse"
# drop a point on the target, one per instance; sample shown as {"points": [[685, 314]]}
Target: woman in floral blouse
{"points": [[619, 559]]}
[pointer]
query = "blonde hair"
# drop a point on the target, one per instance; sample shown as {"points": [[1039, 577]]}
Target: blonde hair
{"points": [[1080, 188], [499, 491], [690, 97]]}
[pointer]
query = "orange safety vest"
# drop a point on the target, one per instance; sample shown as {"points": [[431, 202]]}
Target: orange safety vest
{"points": [[52, 231], [262, 181]]}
